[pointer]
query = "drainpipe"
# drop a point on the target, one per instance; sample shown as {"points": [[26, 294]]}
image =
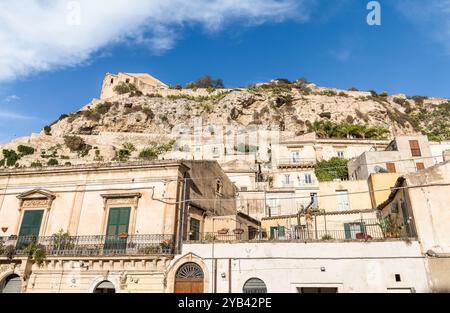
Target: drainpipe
{"points": [[181, 219], [229, 275]]}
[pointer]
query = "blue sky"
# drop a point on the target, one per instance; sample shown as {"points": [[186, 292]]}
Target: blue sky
{"points": [[47, 69]]}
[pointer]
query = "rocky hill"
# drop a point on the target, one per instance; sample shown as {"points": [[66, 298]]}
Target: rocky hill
{"points": [[135, 125]]}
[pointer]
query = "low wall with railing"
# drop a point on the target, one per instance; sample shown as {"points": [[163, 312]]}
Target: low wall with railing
{"points": [[87, 246]]}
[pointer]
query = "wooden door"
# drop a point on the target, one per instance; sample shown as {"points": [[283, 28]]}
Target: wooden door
{"points": [[189, 279], [189, 286], [343, 203]]}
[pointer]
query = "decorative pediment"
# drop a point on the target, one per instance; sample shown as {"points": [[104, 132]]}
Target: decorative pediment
{"points": [[36, 194], [36, 198], [121, 195], [121, 198]]}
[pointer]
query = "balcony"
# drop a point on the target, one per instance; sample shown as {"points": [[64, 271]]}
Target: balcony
{"points": [[89, 246], [295, 163], [370, 231]]}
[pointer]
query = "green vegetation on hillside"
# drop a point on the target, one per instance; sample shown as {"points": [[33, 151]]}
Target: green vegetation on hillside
{"points": [[335, 168], [25, 150], [152, 152], [206, 82], [124, 88], [329, 129], [434, 123], [10, 158], [283, 85]]}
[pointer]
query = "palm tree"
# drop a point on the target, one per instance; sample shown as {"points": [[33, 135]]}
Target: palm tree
{"points": [[361, 131], [344, 129]]}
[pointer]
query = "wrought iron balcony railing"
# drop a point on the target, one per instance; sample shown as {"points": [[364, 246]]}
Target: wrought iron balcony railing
{"points": [[88, 246]]}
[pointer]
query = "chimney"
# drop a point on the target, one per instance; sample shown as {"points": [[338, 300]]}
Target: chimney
{"points": [[446, 155]]}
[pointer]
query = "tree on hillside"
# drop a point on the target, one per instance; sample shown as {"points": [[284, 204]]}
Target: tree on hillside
{"points": [[206, 82]]}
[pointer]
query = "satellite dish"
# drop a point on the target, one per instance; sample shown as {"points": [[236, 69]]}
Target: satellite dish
{"points": [[380, 169]]}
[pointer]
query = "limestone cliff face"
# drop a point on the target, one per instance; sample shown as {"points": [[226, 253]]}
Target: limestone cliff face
{"points": [[148, 119]]}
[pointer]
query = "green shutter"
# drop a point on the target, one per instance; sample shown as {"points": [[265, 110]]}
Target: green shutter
{"points": [[281, 231], [272, 232], [31, 223], [363, 227], [118, 221], [348, 233]]}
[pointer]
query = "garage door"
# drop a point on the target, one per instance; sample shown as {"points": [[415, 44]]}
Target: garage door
{"points": [[13, 284]]}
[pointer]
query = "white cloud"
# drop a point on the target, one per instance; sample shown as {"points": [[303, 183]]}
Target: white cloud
{"points": [[42, 35], [11, 98], [432, 18], [13, 116], [341, 55]]}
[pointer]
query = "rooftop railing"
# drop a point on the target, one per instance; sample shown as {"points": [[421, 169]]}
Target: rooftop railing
{"points": [[354, 232], [88, 246]]}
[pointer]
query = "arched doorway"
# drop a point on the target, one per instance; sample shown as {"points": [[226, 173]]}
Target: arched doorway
{"points": [[105, 287], [254, 285], [189, 279], [11, 284]]}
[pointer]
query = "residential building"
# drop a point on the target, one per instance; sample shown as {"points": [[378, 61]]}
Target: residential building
{"points": [[404, 154], [418, 206], [340, 210], [391, 266], [142, 81], [307, 148], [106, 227], [380, 185]]}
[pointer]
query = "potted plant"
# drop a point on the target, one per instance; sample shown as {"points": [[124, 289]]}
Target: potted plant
{"points": [[123, 235], [166, 246], [238, 231], [210, 237], [223, 231], [9, 251]]}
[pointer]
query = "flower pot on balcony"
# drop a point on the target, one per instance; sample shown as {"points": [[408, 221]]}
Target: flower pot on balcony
{"points": [[238, 231], [123, 236], [223, 231]]}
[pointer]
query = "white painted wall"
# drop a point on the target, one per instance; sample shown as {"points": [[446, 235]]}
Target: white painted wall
{"points": [[349, 266]]}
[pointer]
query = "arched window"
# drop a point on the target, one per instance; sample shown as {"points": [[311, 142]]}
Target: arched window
{"points": [[105, 287], [190, 271], [254, 285]]}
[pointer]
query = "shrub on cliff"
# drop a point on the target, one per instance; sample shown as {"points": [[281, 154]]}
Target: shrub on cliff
{"points": [[52, 162], [25, 150], [124, 88], [10, 158], [206, 82], [74, 143]]}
